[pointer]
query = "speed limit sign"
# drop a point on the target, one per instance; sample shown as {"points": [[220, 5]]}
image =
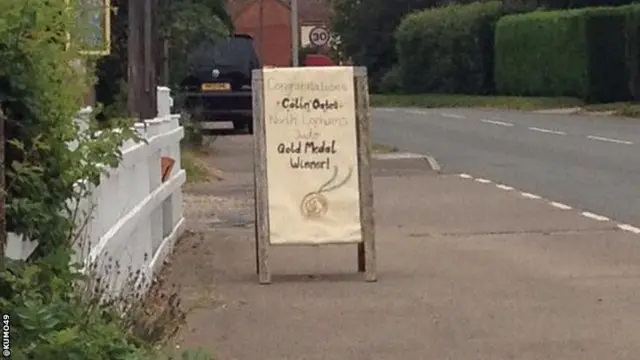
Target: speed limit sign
{"points": [[319, 36]]}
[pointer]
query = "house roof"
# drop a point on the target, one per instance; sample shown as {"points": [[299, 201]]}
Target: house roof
{"points": [[310, 11]]}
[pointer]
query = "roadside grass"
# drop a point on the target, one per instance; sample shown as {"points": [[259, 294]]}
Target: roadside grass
{"points": [[380, 148], [626, 109], [478, 101], [194, 166]]}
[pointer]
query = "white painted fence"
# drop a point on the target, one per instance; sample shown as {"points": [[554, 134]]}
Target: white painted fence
{"points": [[135, 217]]}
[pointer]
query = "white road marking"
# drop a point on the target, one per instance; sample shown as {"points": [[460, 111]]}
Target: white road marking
{"points": [[416, 112], [630, 228], [388, 109], [530, 196], [560, 206], [453, 116], [496, 122], [547, 131], [557, 205], [600, 138], [594, 216]]}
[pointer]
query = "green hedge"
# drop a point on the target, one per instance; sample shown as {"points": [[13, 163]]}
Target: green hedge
{"points": [[589, 53], [632, 49], [448, 49]]}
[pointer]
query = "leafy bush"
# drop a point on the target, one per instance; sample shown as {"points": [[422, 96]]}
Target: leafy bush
{"points": [[449, 49], [50, 321], [59, 313], [632, 49], [111, 70], [42, 86], [541, 54], [606, 39], [52, 162], [391, 82], [366, 31], [189, 24], [589, 53], [576, 4]]}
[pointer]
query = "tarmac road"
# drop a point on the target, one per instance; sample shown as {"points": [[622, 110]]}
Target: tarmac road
{"points": [[589, 162], [466, 271]]}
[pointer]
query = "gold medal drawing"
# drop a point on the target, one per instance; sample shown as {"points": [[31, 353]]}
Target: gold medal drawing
{"points": [[314, 205]]}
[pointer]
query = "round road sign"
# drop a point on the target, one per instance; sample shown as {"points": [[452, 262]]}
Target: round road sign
{"points": [[319, 36]]}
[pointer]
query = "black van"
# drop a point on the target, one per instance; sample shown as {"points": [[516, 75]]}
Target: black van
{"points": [[218, 85]]}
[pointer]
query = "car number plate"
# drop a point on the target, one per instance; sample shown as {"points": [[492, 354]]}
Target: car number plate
{"points": [[216, 87]]}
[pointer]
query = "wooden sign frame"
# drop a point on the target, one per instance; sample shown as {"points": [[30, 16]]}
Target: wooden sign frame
{"points": [[366, 252]]}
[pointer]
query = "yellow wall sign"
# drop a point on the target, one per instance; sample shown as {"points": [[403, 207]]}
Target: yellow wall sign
{"points": [[94, 21]]}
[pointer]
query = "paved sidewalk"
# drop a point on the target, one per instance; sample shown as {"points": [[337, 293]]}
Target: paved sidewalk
{"points": [[466, 271]]}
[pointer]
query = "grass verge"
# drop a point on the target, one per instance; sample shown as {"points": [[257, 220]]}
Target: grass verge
{"points": [[195, 168], [383, 149], [454, 100], [625, 109]]}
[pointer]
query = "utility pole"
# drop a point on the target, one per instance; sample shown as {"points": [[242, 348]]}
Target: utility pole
{"points": [[149, 62], [295, 34], [142, 42], [261, 32], [162, 21], [134, 60]]}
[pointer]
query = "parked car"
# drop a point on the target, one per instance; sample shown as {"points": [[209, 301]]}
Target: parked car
{"points": [[218, 85]]}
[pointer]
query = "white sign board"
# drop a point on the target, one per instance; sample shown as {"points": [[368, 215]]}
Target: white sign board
{"points": [[319, 36], [312, 162], [311, 155]]}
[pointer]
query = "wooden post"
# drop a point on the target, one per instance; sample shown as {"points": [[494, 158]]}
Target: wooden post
{"points": [[163, 78], [150, 106], [134, 62], [163, 16], [366, 249], [295, 34], [260, 181], [142, 80]]}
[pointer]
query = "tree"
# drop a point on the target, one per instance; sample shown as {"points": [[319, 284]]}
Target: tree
{"points": [[189, 23], [366, 31], [182, 23]]}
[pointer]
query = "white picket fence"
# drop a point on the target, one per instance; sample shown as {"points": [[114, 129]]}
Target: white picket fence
{"points": [[135, 217]]}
